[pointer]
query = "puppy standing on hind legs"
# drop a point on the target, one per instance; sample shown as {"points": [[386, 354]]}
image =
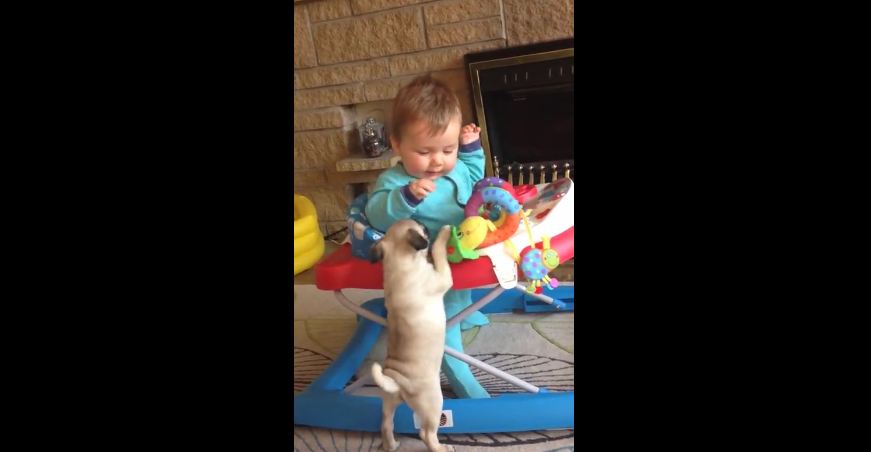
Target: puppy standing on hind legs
{"points": [[414, 292]]}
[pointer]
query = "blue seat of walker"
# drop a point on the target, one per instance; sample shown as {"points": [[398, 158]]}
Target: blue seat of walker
{"points": [[362, 236]]}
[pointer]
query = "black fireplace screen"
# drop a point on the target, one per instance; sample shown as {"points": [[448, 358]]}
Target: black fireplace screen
{"points": [[524, 103]]}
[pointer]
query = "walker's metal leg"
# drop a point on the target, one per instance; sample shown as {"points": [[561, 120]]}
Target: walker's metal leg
{"points": [[475, 306], [365, 313], [553, 301], [359, 383], [541, 297], [491, 370]]}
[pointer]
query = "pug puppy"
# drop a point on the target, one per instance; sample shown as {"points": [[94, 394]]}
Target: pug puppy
{"points": [[414, 292]]}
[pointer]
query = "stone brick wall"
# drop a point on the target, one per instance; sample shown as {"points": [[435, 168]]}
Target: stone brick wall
{"points": [[352, 52]]}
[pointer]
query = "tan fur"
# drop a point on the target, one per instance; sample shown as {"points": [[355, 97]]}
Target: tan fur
{"points": [[414, 292]]}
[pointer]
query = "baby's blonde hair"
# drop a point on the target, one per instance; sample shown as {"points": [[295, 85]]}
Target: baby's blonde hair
{"points": [[424, 99]]}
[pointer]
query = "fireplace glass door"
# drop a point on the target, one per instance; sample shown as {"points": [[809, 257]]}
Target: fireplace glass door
{"points": [[524, 103]]}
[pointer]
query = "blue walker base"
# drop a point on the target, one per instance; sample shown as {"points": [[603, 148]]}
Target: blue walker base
{"points": [[325, 404], [506, 413]]}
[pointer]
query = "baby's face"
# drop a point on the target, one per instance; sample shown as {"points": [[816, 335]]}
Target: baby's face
{"points": [[425, 156]]}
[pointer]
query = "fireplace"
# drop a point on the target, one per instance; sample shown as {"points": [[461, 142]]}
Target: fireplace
{"points": [[524, 104]]}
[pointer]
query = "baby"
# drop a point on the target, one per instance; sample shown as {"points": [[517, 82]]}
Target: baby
{"points": [[432, 184]]}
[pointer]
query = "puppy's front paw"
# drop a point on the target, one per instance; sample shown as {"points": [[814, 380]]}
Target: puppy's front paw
{"points": [[444, 233]]}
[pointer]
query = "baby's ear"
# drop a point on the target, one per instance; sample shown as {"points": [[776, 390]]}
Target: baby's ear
{"points": [[376, 253], [416, 240]]}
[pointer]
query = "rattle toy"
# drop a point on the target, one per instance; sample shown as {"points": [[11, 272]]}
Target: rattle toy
{"points": [[537, 261], [509, 213], [493, 182], [492, 216]]}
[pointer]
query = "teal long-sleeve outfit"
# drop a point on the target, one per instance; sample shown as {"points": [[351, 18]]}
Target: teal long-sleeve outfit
{"points": [[391, 201]]}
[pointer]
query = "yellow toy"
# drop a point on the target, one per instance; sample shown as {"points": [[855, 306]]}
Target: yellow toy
{"points": [[472, 230], [468, 236], [308, 242]]}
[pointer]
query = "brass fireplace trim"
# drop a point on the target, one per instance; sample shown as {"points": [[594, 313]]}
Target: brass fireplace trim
{"points": [[474, 73]]}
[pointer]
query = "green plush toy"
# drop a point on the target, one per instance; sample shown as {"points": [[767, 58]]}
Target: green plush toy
{"points": [[457, 251]]}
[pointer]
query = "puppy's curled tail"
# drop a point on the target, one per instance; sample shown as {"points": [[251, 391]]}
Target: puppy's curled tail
{"points": [[386, 383]]}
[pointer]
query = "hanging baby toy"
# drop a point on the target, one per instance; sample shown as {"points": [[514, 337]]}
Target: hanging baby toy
{"points": [[537, 261]]}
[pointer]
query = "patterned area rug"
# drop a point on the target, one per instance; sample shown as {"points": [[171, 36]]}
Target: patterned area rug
{"points": [[535, 347]]}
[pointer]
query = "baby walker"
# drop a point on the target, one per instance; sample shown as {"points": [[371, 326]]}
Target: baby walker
{"points": [[535, 236]]}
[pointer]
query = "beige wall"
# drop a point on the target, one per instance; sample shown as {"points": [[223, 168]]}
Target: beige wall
{"points": [[350, 52]]}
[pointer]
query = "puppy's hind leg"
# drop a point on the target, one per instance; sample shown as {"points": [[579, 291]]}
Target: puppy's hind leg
{"points": [[428, 407], [429, 434], [388, 408]]}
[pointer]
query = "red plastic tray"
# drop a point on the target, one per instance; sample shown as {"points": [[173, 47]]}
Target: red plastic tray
{"points": [[341, 270]]}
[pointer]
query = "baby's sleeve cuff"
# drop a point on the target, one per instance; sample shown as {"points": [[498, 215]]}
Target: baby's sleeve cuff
{"points": [[408, 197], [471, 147]]}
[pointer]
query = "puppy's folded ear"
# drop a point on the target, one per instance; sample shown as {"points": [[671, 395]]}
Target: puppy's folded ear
{"points": [[416, 240], [376, 253]]}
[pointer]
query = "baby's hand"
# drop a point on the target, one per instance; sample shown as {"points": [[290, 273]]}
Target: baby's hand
{"points": [[421, 187], [469, 133]]}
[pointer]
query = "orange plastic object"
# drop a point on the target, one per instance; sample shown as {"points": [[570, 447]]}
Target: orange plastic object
{"points": [[508, 228], [341, 270]]}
